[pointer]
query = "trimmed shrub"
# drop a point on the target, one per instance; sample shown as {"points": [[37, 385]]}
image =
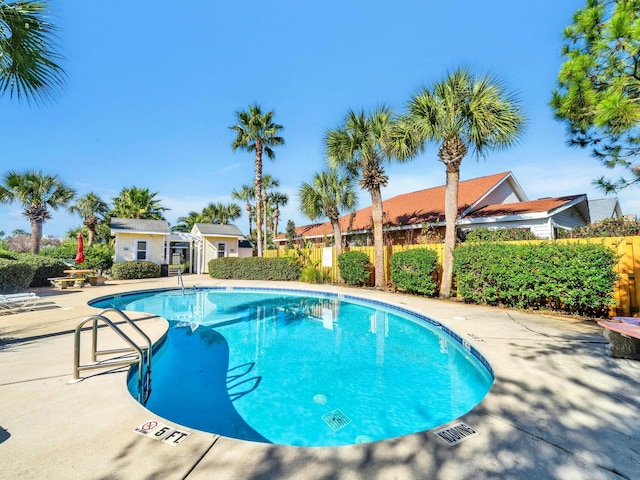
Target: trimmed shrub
{"points": [[574, 278], [254, 268], [98, 256], [44, 268], [355, 267], [608, 227], [15, 275], [415, 271], [496, 234], [134, 270]]}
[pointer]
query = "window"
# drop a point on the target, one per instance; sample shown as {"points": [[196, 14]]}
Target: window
{"points": [[141, 250], [222, 250]]}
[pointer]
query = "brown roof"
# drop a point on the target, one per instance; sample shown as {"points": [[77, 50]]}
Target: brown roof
{"points": [[522, 208], [415, 208]]}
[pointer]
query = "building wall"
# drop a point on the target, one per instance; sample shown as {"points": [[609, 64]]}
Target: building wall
{"points": [[126, 247], [503, 194], [570, 218], [210, 249]]}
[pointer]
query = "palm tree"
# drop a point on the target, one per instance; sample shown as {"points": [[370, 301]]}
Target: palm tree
{"points": [[92, 209], [256, 132], [328, 194], [462, 112], [221, 213], [248, 195], [137, 203], [37, 193], [28, 68], [277, 200], [362, 145], [268, 182], [185, 224]]}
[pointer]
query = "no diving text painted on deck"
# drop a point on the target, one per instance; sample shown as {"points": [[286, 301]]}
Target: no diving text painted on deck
{"points": [[159, 431], [454, 434]]}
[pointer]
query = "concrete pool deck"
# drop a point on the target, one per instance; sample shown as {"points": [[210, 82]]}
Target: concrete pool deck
{"points": [[560, 407]]}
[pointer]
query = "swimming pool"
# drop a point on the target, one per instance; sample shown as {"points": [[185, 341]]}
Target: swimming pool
{"points": [[304, 368]]}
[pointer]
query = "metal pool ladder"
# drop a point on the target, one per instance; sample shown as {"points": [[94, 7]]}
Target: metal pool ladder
{"points": [[180, 279], [120, 357]]}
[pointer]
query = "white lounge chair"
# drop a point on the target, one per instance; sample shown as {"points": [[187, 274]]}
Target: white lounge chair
{"points": [[16, 302]]}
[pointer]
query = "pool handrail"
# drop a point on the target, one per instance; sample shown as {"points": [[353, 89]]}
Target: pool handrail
{"points": [[142, 354]]}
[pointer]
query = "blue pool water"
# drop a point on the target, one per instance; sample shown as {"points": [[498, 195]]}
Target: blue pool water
{"points": [[303, 368]]}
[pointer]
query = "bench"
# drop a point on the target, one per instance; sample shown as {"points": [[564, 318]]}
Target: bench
{"points": [[623, 335], [96, 280], [63, 282]]}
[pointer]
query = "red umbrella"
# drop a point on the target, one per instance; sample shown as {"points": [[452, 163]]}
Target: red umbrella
{"points": [[80, 254]]}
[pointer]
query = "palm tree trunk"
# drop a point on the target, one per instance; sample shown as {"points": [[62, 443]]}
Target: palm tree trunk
{"points": [[265, 222], [450, 217], [91, 223], [91, 236], [249, 211], [337, 241], [378, 237], [276, 216], [259, 197], [36, 236], [337, 235]]}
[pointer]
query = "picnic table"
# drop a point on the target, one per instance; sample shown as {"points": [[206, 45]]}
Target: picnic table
{"points": [[77, 277]]}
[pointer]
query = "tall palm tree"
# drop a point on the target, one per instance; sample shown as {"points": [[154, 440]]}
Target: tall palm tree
{"points": [[277, 200], [185, 224], [137, 203], [463, 112], [37, 192], [256, 132], [221, 213], [28, 67], [328, 194], [246, 194], [362, 145], [268, 183], [92, 209]]}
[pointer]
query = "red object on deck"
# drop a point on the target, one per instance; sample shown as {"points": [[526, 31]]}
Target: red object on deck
{"points": [[80, 254]]}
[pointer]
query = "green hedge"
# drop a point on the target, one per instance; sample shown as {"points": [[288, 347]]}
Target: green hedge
{"points": [[355, 267], [496, 234], [134, 270], [98, 256], [15, 275], [574, 278], [254, 268], [44, 268], [415, 271]]}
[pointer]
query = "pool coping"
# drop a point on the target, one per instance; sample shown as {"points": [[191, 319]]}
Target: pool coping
{"points": [[559, 406]]}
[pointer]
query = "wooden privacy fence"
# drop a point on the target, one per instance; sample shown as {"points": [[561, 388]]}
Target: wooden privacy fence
{"points": [[627, 294]]}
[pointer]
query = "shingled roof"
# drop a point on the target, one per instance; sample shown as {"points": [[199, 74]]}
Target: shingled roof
{"points": [[542, 206], [415, 208], [135, 225], [217, 229]]}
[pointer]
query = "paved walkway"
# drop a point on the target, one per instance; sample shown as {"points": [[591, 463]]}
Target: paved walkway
{"points": [[560, 407]]}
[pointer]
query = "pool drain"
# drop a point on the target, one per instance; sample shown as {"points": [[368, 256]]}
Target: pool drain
{"points": [[320, 399], [336, 419], [454, 434]]}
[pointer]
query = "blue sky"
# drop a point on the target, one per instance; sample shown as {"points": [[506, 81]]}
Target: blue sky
{"points": [[152, 88]]}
